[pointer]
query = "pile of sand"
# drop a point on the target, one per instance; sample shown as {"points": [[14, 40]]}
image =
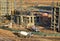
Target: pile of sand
{"points": [[7, 36]]}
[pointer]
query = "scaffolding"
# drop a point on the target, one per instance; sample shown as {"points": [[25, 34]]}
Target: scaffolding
{"points": [[55, 17], [6, 7]]}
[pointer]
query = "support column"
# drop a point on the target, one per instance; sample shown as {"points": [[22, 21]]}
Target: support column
{"points": [[29, 19], [54, 19], [21, 19], [33, 20], [17, 19], [59, 20]]}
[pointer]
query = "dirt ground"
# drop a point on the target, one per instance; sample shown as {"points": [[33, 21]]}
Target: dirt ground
{"points": [[9, 36]]}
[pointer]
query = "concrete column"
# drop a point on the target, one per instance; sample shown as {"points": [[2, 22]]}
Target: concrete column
{"points": [[33, 20], [17, 19], [39, 19], [29, 19], [59, 20], [21, 19], [54, 19]]}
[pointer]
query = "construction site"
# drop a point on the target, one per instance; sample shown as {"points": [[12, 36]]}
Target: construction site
{"points": [[29, 20]]}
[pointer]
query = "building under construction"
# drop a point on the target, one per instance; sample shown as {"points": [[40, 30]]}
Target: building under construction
{"points": [[30, 15]]}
